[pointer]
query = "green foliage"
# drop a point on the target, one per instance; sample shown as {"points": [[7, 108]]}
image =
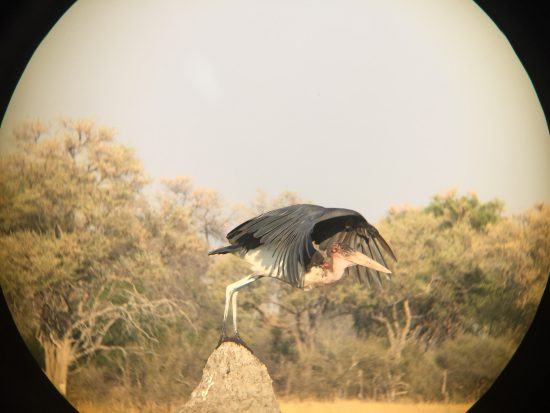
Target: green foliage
{"points": [[453, 209]]}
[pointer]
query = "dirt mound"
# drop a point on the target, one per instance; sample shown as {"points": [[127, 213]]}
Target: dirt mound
{"points": [[233, 380]]}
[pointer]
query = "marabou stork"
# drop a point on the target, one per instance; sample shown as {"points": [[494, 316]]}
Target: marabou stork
{"points": [[305, 246]]}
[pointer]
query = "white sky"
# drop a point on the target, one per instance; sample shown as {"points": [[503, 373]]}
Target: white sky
{"points": [[351, 103]]}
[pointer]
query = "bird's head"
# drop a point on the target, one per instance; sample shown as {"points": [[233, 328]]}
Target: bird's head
{"points": [[342, 252]]}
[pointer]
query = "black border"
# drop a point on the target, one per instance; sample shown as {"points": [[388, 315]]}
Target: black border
{"points": [[523, 384], [24, 388], [525, 25]]}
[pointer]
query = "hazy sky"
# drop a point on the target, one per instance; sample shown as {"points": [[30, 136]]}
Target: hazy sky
{"points": [[360, 104]]}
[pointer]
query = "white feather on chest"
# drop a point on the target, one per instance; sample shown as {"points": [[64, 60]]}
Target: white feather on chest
{"points": [[262, 261]]}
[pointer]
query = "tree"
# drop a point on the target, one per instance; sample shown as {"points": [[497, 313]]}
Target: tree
{"points": [[439, 272], [113, 288], [74, 245], [453, 209], [515, 255], [203, 207]]}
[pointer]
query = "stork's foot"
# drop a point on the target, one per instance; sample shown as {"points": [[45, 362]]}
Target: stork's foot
{"points": [[223, 336], [234, 339], [237, 339]]}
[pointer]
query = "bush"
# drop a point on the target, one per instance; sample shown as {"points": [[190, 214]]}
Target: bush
{"points": [[473, 363]]}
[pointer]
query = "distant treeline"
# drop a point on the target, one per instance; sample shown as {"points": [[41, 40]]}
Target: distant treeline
{"points": [[113, 291]]}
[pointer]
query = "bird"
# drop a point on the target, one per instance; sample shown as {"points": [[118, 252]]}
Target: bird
{"points": [[306, 246]]}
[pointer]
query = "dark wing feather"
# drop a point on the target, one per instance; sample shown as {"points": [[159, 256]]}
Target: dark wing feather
{"points": [[361, 236], [375, 235], [289, 233], [286, 231], [359, 242]]}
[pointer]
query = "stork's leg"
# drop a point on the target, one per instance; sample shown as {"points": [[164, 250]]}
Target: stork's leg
{"points": [[229, 292], [234, 309]]}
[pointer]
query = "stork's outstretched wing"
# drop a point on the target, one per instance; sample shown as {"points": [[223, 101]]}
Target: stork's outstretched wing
{"points": [[289, 233]]}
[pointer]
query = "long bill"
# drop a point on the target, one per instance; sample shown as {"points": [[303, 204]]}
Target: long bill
{"points": [[361, 259]]}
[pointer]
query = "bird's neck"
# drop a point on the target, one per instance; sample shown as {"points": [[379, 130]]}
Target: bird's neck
{"points": [[329, 272], [335, 267]]}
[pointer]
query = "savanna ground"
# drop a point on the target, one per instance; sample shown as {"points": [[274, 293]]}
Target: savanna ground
{"points": [[112, 289], [307, 406], [361, 406]]}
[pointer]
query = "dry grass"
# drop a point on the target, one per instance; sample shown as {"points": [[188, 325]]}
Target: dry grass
{"points": [[87, 407], [289, 406], [359, 406]]}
